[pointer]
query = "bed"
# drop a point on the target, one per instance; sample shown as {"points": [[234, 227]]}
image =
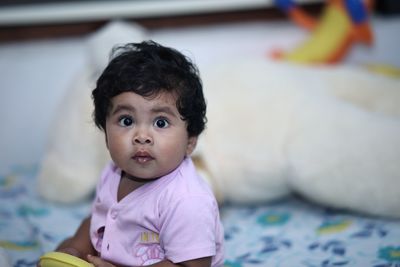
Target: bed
{"points": [[290, 232], [286, 232]]}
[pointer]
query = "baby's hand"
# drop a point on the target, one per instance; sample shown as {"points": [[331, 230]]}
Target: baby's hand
{"points": [[98, 262]]}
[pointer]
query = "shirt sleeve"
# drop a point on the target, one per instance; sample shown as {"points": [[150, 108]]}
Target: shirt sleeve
{"points": [[188, 228]]}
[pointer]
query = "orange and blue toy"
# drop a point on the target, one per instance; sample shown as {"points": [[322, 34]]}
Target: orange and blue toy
{"points": [[343, 24]]}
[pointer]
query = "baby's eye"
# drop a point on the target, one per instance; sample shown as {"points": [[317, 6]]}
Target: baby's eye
{"points": [[125, 121], [161, 123]]}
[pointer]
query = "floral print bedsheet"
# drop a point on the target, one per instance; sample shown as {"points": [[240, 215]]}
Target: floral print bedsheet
{"points": [[287, 233], [293, 233]]}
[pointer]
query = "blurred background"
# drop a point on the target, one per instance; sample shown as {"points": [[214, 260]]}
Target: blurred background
{"points": [[47, 51], [43, 48]]}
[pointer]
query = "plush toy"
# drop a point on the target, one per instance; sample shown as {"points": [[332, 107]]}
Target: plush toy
{"points": [[331, 134], [342, 24]]}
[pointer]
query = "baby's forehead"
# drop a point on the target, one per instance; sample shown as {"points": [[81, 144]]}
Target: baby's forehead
{"points": [[133, 101], [163, 97]]}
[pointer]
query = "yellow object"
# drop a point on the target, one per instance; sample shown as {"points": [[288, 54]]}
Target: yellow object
{"points": [[59, 259], [387, 70], [342, 24], [328, 36]]}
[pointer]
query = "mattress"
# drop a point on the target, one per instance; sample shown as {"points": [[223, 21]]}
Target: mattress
{"points": [[289, 232]]}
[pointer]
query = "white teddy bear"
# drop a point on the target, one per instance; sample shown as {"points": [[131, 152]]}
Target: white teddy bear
{"points": [[331, 134]]}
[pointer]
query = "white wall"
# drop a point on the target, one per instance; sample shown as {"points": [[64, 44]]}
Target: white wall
{"points": [[105, 10], [34, 76]]}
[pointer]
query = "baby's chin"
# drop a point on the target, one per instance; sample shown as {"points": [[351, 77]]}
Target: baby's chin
{"points": [[142, 174]]}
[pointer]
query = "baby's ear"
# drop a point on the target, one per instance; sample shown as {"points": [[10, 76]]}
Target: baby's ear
{"points": [[106, 139], [192, 142]]}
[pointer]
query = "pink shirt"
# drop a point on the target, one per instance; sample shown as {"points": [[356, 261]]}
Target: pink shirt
{"points": [[175, 217]]}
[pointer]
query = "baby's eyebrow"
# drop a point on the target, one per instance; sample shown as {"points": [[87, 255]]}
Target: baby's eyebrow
{"points": [[166, 110], [123, 108]]}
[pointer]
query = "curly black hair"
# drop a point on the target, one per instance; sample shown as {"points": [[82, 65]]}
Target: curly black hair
{"points": [[147, 69]]}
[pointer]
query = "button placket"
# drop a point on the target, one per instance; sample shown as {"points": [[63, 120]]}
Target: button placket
{"points": [[113, 214]]}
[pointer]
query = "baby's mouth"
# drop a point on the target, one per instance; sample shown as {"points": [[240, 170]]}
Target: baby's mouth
{"points": [[142, 157]]}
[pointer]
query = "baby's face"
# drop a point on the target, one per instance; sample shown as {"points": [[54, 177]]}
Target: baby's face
{"points": [[147, 138]]}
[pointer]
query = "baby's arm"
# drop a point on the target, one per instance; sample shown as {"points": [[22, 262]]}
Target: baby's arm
{"points": [[79, 245]]}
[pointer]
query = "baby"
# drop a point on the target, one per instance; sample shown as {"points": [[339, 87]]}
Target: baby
{"points": [[151, 207]]}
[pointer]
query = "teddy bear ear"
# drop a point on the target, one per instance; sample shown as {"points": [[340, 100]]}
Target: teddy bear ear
{"points": [[100, 43], [75, 152]]}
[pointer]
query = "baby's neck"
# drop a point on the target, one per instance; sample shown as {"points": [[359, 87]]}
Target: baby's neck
{"points": [[128, 184]]}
